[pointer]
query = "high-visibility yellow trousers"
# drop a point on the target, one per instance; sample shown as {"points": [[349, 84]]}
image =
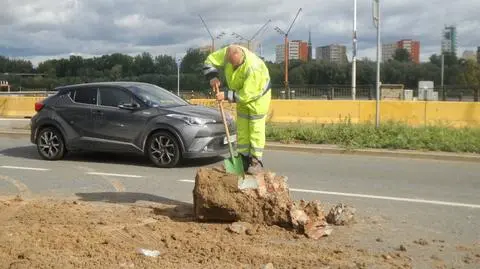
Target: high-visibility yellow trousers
{"points": [[251, 120]]}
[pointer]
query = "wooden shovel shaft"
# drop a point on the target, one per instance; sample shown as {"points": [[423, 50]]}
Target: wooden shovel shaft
{"points": [[220, 104]]}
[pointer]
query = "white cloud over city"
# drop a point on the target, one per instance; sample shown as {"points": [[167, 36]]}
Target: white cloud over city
{"points": [[41, 29]]}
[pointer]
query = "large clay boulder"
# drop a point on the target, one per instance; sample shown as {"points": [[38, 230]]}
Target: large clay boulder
{"points": [[219, 196], [261, 199]]}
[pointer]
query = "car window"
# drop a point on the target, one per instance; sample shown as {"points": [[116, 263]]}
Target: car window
{"points": [[114, 97], [86, 96]]}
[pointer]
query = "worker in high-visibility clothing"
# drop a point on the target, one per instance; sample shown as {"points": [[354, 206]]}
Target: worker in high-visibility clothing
{"points": [[248, 85]]}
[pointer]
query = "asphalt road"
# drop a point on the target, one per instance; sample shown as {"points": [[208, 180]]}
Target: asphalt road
{"points": [[397, 200]]}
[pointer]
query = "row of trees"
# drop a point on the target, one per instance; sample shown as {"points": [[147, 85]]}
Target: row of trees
{"points": [[162, 70]]}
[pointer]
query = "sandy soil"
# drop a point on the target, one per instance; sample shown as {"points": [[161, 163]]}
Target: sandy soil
{"points": [[76, 234]]}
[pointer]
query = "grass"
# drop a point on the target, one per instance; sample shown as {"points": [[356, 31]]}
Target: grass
{"points": [[390, 135]]}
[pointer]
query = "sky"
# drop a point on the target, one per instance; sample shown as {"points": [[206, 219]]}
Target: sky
{"points": [[42, 29]]}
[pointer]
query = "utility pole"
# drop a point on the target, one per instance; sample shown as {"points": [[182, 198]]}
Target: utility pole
{"points": [[249, 41], [376, 22], [285, 34], [178, 61], [354, 52], [444, 94], [211, 36]]}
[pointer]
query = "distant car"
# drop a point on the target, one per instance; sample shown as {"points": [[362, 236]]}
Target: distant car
{"points": [[128, 117]]}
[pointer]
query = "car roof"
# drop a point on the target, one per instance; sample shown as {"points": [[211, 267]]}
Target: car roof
{"points": [[105, 83]]}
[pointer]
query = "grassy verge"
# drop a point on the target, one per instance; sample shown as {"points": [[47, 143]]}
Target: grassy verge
{"points": [[389, 136]]}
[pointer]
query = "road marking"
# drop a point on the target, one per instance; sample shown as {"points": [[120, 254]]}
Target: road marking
{"points": [[113, 175], [398, 199], [22, 188], [24, 168], [116, 184]]}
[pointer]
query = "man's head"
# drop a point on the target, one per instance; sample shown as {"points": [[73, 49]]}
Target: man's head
{"points": [[235, 55]]}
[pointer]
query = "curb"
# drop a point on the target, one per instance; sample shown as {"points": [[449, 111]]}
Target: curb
{"points": [[332, 149], [14, 131]]}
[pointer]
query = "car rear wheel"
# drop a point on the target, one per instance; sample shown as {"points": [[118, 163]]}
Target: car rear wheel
{"points": [[163, 149], [50, 144]]}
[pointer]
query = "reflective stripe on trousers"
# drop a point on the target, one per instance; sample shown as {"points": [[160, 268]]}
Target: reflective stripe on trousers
{"points": [[251, 135]]}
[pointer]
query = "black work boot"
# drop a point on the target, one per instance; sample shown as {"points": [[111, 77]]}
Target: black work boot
{"points": [[256, 167], [246, 162]]}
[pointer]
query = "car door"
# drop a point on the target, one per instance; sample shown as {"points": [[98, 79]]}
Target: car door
{"points": [[117, 127], [77, 112]]}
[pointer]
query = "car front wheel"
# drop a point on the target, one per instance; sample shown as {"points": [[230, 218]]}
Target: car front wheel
{"points": [[163, 150], [50, 144]]}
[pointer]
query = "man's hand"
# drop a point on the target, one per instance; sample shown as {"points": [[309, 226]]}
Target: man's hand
{"points": [[215, 84], [220, 96]]}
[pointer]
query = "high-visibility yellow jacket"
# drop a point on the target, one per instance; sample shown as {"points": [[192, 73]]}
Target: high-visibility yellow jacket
{"points": [[248, 85]]}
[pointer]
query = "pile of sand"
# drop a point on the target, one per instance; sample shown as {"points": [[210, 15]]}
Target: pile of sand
{"points": [[76, 234]]}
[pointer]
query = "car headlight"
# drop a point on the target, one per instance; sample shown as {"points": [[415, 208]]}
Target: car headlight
{"points": [[191, 120]]}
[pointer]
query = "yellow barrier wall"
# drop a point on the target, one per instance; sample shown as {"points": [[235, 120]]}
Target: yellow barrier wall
{"points": [[18, 106], [415, 113], [321, 111]]}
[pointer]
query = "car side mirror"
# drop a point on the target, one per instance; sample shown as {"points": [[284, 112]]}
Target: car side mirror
{"points": [[129, 106]]}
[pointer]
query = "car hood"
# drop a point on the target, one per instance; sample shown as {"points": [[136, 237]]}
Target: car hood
{"points": [[198, 111]]}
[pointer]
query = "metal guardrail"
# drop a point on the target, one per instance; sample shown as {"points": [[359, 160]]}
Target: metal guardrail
{"points": [[313, 92], [28, 93]]}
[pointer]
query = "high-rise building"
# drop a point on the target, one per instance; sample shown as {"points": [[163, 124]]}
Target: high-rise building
{"points": [[297, 50], [310, 45], [388, 51], [449, 40], [469, 55], [413, 48], [333, 53], [205, 49]]}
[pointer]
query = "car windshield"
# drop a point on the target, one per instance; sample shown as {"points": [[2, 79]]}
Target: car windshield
{"points": [[154, 96]]}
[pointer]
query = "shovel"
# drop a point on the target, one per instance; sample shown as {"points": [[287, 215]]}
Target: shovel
{"points": [[234, 164]]}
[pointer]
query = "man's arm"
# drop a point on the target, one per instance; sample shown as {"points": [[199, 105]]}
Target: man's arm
{"points": [[253, 87], [214, 61]]}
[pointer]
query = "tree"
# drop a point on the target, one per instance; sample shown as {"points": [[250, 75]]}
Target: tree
{"points": [[401, 55], [193, 61], [470, 77]]}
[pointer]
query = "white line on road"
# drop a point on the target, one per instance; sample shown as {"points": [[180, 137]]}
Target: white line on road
{"points": [[24, 168], [113, 175], [400, 199], [13, 119], [389, 198]]}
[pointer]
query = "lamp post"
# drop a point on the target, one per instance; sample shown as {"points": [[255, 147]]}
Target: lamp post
{"points": [[211, 36], [285, 34], [249, 41], [354, 52], [376, 23]]}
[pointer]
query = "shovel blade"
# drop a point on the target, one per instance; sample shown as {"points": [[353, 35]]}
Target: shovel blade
{"points": [[234, 165]]}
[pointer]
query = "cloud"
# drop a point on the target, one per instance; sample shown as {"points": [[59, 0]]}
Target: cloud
{"points": [[38, 29]]}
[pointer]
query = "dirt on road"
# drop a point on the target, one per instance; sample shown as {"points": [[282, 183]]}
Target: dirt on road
{"points": [[40, 233]]}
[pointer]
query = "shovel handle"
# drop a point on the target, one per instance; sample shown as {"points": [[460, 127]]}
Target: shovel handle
{"points": [[220, 104]]}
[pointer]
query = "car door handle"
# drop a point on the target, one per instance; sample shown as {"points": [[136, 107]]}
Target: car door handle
{"points": [[97, 112]]}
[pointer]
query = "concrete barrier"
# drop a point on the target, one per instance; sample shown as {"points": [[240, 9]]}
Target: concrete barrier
{"points": [[415, 113], [457, 114], [18, 106]]}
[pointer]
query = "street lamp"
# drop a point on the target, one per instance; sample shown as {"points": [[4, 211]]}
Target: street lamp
{"points": [[376, 23], [249, 41], [211, 36], [354, 51], [285, 34]]}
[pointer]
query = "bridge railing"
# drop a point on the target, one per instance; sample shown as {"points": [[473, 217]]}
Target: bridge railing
{"points": [[329, 92]]}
